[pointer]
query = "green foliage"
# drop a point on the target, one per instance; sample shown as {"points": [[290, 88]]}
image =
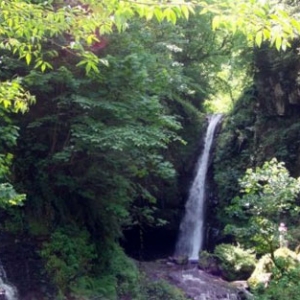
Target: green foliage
{"points": [[269, 194], [9, 134], [161, 290], [94, 151], [26, 25], [109, 131], [262, 273], [284, 283], [100, 149], [125, 272], [273, 185], [38, 32], [114, 277], [236, 263], [221, 54], [285, 288], [235, 147], [8, 195], [14, 220], [208, 262], [24, 33], [13, 97], [277, 137], [36, 226], [259, 21], [69, 255]]}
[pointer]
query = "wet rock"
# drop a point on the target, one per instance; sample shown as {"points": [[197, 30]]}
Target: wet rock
{"points": [[2, 294], [24, 267], [197, 284], [175, 277], [179, 260], [242, 286]]}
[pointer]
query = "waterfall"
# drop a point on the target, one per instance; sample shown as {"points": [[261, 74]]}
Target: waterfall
{"points": [[192, 228], [7, 291]]}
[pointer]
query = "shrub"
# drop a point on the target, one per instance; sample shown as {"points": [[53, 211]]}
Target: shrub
{"points": [[208, 263], [161, 290], [285, 287], [69, 256], [262, 272], [283, 279], [235, 263], [125, 272]]}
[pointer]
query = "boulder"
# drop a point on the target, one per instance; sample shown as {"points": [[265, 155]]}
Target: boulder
{"points": [[263, 270]]}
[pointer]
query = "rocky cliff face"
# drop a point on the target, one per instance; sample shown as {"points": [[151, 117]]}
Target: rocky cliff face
{"points": [[195, 283], [24, 267], [278, 80], [265, 123]]}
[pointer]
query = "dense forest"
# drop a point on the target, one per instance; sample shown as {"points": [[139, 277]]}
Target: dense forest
{"points": [[104, 106]]}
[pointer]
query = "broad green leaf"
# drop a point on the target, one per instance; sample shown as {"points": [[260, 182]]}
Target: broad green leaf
{"points": [[81, 63], [43, 67], [170, 15], [185, 11], [278, 42], [216, 22], [105, 62], [28, 58], [296, 25], [158, 14], [266, 34], [204, 11], [149, 12], [259, 38]]}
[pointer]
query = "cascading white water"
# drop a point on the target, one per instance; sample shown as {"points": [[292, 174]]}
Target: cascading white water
{"points": [[191, 228], [7, 291]]}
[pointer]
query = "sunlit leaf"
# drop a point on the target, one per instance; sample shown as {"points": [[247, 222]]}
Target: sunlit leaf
{"points": [[158, 14], [278, 42], [28, 58], [105, 62], [170, 15], [259, 38], [185, 11], [216, 22]]}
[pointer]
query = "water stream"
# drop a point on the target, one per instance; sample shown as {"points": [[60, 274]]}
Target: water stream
{"points": [[7, 291], [192, 226]]}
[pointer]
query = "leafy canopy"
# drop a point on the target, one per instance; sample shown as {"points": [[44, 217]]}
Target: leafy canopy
{"points": [[37, 31], [269, 20], [268, 197], [26, 25]]}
